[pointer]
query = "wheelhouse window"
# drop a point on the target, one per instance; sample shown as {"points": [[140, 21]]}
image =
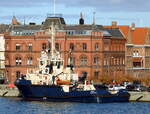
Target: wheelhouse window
{"points": [[83, 61], [18, 47], [18, 61]]}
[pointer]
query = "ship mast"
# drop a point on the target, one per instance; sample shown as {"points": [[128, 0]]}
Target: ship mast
{"points": [[53, 40]]}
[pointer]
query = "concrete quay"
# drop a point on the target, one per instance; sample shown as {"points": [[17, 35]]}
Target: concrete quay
{"points": [[139, 96], [5, 91]]}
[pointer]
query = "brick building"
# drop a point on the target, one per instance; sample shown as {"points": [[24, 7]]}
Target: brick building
{"points": [[137, 48], [95, 50], [2, 56]]}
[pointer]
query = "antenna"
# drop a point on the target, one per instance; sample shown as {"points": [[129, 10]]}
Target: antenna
{"points": [[24, 20], [94, 20], [53, 39]]}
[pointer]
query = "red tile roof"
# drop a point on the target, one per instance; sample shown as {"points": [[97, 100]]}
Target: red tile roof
{"points": [[138, 35]]}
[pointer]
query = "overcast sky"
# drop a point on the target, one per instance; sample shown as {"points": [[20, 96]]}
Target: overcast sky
{"points": [[123, 11]]}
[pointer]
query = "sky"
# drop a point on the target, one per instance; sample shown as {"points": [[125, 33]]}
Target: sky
{"points": [[124, 12]]}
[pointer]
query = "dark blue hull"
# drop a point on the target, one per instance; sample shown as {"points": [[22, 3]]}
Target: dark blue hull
{"points": [[56, 94]]}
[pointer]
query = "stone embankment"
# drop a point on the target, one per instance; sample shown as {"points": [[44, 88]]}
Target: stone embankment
{"points": [[5, 91], [140, 96]]}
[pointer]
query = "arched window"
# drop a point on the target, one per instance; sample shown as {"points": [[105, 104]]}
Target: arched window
{"points": [[84, 46], [96, 74], [29, 61], [18, 61], [57, 46], [18, 47], [18, 74], [96, 60], [49, 46], [71, 46], [43, 46], [29, 47], [96, 47], [7, 61], [83, 61], [72, 61]]}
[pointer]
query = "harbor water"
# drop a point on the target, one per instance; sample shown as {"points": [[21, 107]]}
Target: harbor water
{"points": [[19, 106]]}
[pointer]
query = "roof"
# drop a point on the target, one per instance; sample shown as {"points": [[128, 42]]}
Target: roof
{"points": [[92, 28], [124, 29], [83, 27], [139, 35], [25, 27], [3, 28], [56, 20], [115, 32]]}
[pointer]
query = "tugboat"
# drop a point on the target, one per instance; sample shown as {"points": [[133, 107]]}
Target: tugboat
{"points": [[56, 83]]}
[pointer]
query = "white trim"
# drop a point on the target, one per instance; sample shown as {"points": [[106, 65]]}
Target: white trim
{"points": [[137, 45]]}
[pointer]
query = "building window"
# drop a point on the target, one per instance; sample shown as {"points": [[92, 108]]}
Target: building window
{"points": [[137, 64], [135, 53], [30, 47], [49, 46], [84, 46], [44, 46], [29, 61], [96, 60], [71, 46], [96, 47], [57, 46], [18, 74], [72, 61], [18, 61], [83, 61], [18, 47], [104, 61], [96, 74]]}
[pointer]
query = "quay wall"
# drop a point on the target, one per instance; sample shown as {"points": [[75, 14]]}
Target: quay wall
{"points": [[5, 91], [139, 96]]}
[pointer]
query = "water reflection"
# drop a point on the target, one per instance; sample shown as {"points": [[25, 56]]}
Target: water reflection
{"points": [[19, 106]]}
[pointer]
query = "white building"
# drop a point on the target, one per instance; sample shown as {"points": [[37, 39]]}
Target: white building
{"points": [[2, 55]]}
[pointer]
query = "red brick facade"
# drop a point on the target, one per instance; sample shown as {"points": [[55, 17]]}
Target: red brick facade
{"points": [[96, 53]]}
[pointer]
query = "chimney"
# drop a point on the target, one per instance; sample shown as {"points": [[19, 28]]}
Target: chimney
{"points": [[14, 21], [81, 20], [133, 26], [94, 19], [114, 24]]}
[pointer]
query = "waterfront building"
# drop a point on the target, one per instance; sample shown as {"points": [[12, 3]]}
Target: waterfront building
{"points": [[2, 56], [93, 50], [137, 48]]}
